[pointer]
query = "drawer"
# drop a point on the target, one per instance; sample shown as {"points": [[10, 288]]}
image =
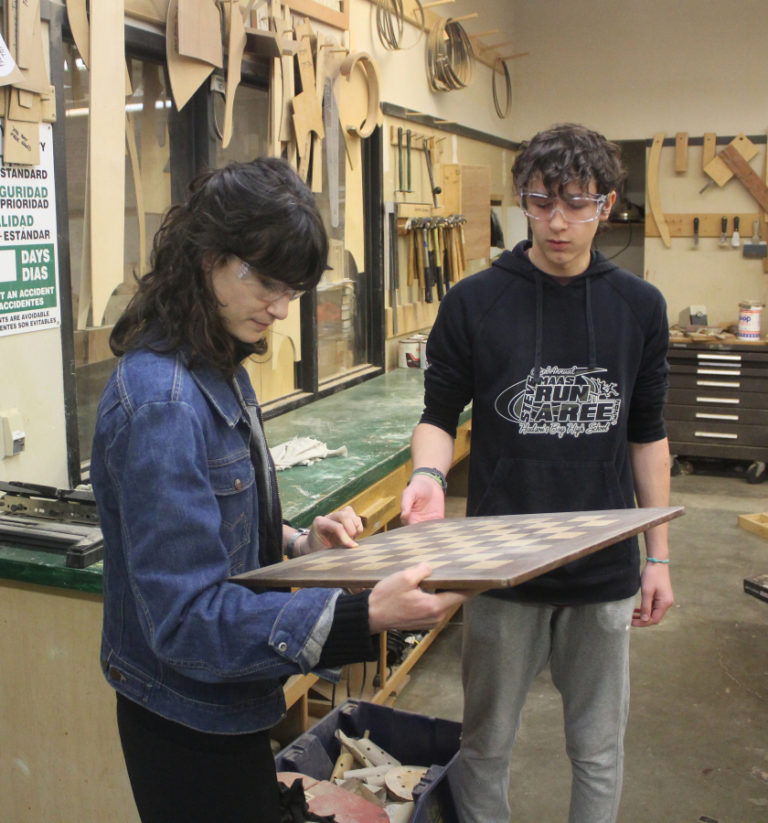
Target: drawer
{"points": [[713, 397], [716, 414], [720, 370], [711, 431], [717, 398], [758, 359], [719, 382]]}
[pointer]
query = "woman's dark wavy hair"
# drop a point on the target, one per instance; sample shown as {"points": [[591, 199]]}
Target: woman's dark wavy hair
{"points": [[568, 152], [261, 212]]}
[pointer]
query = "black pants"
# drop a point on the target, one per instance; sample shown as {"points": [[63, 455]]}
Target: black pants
{"points": [[179, 775]]}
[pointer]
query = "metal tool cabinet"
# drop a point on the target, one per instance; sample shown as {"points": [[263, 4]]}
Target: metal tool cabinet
{"points": [[717, 405]]}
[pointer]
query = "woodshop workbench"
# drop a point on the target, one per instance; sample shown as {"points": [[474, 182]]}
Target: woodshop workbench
{"points": [[60, 759]]}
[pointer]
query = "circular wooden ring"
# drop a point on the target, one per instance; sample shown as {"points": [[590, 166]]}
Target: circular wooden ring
{"points": [[368, 66]]}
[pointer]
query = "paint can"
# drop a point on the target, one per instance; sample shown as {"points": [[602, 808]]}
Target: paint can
{"points": [[749, 319], [409, 351], [423, 352]]}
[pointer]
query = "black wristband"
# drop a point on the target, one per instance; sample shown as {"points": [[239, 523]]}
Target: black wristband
{"points": [[290, 546], [435, 474]]}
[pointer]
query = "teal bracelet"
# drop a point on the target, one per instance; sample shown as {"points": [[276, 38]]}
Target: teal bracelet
{"points": [[655, 560], [435, 474]]}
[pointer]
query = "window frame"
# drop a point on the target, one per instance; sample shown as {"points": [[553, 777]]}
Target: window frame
{"points": [[192, 147]]}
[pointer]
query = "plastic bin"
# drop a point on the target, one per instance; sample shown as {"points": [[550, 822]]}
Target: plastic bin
{"points": [[414, 739]]}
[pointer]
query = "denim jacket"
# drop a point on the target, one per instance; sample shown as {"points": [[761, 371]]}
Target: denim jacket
{"points": [[177, 494]]}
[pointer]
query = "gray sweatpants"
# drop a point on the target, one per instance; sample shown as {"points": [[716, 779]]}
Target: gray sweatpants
{"points": [[506, 645]]}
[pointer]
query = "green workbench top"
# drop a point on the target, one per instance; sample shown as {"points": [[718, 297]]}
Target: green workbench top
{"points": [[374, 420]]}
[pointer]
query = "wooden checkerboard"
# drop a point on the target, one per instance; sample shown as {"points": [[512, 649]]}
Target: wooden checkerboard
{"points": [[468, 552]]}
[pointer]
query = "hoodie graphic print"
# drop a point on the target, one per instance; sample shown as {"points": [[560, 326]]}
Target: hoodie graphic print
{"points": [[571, 401]]}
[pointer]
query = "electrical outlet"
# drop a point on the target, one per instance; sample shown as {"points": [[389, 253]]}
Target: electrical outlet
{"points": [[12, 435]]}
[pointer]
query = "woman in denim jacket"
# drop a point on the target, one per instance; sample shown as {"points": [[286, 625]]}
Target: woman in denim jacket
{"points": [[187, 497]]}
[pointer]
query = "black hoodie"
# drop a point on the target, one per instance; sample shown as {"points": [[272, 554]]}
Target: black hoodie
{"points": [[560, 378]]}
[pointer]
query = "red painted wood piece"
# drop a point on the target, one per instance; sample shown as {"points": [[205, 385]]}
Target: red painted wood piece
{"points": [[324, 798]]}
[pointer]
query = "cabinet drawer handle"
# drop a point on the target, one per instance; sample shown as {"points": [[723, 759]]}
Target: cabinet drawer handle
{"points": [[705, 416], [732, 357], [719, 384], [720, 435], [721, 372], [734, 401]]}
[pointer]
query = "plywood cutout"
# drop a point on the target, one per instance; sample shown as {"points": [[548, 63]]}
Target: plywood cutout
{"points": [[273, 377], [237, 40], [185, 73], [106, 147], [475, 553], [35, 75], [200, 31], [25, 106], [21, 142]]}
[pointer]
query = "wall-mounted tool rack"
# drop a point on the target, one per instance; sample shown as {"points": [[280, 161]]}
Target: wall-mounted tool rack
{"points": [[681, 225], [723, 158]]}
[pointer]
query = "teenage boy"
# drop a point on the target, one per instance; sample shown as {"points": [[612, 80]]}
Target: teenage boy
{"points": [[563, 356]]}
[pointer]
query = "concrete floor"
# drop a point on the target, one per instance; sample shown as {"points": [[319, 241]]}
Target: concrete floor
{"points": [[697, 740]]}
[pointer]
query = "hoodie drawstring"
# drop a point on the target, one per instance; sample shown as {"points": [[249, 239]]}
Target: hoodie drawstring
{"points": [[590, 324], [539, 325], [591, 345]]}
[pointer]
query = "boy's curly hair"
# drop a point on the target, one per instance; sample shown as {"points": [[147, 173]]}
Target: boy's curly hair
{"points": [[568, 152]]}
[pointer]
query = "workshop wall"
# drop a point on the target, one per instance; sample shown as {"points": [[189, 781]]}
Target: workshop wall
{"points": [[631, 70]]}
